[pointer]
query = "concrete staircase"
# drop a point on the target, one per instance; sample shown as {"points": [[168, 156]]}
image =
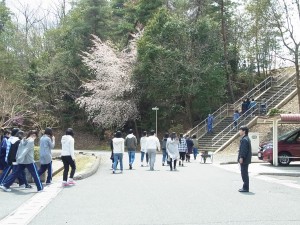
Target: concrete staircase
{"points": [[273, 89]]}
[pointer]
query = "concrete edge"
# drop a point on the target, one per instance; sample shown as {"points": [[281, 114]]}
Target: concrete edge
{"points": [[282, 174], [93, 169]]}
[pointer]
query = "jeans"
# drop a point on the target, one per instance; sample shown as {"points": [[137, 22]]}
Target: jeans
{"points": [[43, 169], [68, 161], [143, 155], [118, 156], [131, 155], [245, 176], [165, 155], [195, 152], [152, 157]]}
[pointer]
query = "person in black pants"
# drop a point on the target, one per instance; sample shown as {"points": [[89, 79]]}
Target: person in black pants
{"points": [[244, 157], [68, 157]]}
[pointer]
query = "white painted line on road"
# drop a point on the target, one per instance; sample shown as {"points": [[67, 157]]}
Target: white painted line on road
{"points": [[28, 210], [235, 169]]}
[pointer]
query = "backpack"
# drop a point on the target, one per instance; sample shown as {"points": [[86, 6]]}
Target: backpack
{"points": [[13, 152]]}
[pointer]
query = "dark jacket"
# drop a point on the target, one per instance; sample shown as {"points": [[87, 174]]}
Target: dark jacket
{"points": [[164, 143], [190, 145], [245, 151]]}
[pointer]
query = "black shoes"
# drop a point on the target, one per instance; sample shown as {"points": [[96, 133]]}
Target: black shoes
{"points": [[243, 190], [130, 166]]}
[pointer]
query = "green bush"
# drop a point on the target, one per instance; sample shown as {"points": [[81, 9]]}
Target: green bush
{"points": [[274, 112]]}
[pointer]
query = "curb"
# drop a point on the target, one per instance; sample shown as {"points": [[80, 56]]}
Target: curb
{"points": [[281, 174], [91, 171], [228, 163]]}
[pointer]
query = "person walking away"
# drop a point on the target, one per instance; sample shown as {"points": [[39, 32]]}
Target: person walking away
{"points": [[252, 106], [172, 150], [236, 117], [210, 122], [25, 159], [119, 147], [190, 145], [196, 146], [68, 157], [131, 145], [182, 148], [152, 146], [143, 142], [47, 143], [10, 158], [164, 148], [248, 102], [263, 106], [244, 157], [244, 107], [6, 136]]}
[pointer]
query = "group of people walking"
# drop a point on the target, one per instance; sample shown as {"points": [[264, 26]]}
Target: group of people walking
{"points": [[17, 154], [173, 149]]}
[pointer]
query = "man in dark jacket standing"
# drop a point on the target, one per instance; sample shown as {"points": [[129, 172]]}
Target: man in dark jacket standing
{"points": [[244, 157], [131, 145]]}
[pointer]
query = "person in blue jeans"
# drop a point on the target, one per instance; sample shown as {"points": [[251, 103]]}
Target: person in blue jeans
{"points": [[131, 145], [25, 159], [164, 148], [118, 146], [6, 136]]}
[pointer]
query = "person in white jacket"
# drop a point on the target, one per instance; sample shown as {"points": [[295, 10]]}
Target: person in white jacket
{"points": [[152, 145], [118, 148], [143, 142], [172, 150], [68, 157]]}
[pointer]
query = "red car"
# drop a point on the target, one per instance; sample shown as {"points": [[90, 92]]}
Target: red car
{"points": [[288, 149]]}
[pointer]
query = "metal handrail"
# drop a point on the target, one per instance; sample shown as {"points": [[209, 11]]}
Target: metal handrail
{"points": [[218, 115], [250, 111]]}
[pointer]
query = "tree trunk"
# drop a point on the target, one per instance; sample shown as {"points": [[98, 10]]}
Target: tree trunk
{"points": [[225, 52], [188, 108]]}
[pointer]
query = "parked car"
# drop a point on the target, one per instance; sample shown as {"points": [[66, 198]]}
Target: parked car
{"points": [[288, 149]]}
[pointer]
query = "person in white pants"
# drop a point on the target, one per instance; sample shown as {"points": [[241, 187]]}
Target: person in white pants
{"points": [[152, 146]]}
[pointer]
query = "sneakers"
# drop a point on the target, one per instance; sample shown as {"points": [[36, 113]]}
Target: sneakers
{"points": [[130, 166], [47, 184], [28, 186], [5, 189], [142, 165], [22, 186], [114, 172], [65, 184], [71, 182]]}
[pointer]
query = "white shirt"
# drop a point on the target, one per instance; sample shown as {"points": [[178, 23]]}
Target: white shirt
{"points": [[153, 143], [143, 143]]}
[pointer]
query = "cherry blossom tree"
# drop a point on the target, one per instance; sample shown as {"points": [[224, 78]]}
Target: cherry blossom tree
{"points": [[109, 100]]}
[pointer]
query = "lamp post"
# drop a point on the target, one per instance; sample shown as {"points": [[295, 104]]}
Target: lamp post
{"points": [[156, 109]]}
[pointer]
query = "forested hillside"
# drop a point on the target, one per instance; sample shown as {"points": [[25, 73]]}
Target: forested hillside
{"points": [[105, 64]]}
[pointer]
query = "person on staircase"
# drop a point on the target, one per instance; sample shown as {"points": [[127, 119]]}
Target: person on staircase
{"points": [[236, 116], [210, 122], [252, 106]]}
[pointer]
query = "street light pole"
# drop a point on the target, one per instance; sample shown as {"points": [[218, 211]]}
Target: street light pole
{"points": [[156, 109]]}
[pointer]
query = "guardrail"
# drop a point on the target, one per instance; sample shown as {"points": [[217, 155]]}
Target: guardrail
{"points": [[220, 138], [223, 111]]}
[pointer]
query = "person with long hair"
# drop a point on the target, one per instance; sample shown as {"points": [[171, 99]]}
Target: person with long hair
{"points": [[164, 148], [25, 159], [47, 143], [172, 150], [68, 157]]}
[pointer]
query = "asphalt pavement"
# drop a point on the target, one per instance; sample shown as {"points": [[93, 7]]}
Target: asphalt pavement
{"points": [[195, 194]]}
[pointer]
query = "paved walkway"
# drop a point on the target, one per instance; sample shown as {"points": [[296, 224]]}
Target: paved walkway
{"points": [[140, 196]]}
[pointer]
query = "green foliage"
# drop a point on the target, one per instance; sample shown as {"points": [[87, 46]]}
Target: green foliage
{"points": [[274, 112], [179, 65]]}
